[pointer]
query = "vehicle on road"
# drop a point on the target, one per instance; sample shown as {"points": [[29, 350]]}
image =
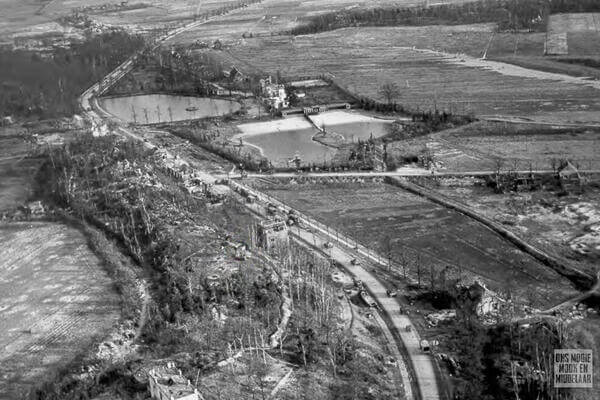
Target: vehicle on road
{"points": [[271, 209], [354, 261], [367, 299], [328, 245]]}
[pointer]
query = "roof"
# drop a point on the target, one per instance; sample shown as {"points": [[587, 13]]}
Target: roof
{"points": [[568, 169], [219, 190]]}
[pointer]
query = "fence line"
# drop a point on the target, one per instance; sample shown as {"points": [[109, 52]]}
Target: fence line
{"points": [[333, 234]]}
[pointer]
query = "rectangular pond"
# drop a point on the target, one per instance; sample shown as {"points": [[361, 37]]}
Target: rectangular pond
{"points": [[156, 108]]}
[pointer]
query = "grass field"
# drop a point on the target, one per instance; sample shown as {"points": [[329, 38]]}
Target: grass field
{"points": [[372, 212], [520, 146], [550, 221], [31, 17], [273, 16], [362, 59], [16, 169], [55, 300]]}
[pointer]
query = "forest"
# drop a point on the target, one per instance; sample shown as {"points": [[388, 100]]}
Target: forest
{"points": [[174, 238], [35, 86], [510, 15]]}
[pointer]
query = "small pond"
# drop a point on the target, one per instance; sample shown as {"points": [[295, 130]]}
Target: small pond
{"points": [[283, 146], [282, 140], [155, 108]]}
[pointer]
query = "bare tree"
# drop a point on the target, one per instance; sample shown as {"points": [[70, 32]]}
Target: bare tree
{"points": [[418, 265], [387, 245], [390, 91]]}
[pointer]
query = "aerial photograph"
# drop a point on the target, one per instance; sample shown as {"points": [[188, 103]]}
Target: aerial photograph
{"points": [[299, 199]]}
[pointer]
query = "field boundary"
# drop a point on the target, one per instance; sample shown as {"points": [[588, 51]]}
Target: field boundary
{"points": [[580, 279]]}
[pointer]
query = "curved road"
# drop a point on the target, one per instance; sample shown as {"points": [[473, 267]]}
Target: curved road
{"points": [[422, 363]]}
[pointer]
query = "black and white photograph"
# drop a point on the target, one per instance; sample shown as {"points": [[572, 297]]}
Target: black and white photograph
{"points": [[299, 199]]}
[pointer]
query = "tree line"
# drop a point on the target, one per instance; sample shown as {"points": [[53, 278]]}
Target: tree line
{"points": [[47, 86], [508, 14]]}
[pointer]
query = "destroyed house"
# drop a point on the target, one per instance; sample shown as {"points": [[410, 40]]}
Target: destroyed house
{"points": [[167, 383], [272, 233], [569, 178], [273, 94]]}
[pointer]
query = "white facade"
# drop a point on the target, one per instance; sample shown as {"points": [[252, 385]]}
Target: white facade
{"points": [[274, 94]]}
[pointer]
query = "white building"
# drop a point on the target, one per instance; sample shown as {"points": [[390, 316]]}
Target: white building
{"points": [[274, 94]]}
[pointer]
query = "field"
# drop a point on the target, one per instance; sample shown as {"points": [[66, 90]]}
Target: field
{"points": [[579, 22], [363, 59], [273, 16], [55, 301], [372, 213], [565, 226], [479, 146], [16, 169], [529, 150], [38, 18]]}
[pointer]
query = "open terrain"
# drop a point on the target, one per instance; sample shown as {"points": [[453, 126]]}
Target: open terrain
{"points": [[31, 19], [55, 302], [565, 225], [421, 232], [273, 16], [363, 59], [485, 145], [16, 169]]}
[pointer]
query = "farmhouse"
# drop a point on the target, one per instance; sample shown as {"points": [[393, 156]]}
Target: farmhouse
{"points": [[167, 383], [6, 121], [569, 178], [233, 74], [274, 95]]}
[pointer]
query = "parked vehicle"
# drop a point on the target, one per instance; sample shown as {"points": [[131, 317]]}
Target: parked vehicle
{"points": [[392, 292], [271, 209], [367, 299]]}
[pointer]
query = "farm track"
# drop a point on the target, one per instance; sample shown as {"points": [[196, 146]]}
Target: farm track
{"points": [[578, 278]]}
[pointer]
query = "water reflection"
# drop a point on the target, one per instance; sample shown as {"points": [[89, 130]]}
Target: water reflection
{"points": [[154, 108]]}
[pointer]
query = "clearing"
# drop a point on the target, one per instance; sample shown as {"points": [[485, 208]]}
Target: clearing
{"points": [[17, 168], [55, 302], [481, 145]]}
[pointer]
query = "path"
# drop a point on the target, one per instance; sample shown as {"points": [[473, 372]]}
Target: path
{"points": [[507, 69], [422, 363], [401, 172], [344, 250], [143, 312], [594, 291], [580, 279]]}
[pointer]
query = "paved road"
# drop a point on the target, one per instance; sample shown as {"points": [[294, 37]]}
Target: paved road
{"points": [[422, 363]]}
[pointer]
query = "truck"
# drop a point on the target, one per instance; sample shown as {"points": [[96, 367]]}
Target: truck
{"points": [[367, 299]]}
